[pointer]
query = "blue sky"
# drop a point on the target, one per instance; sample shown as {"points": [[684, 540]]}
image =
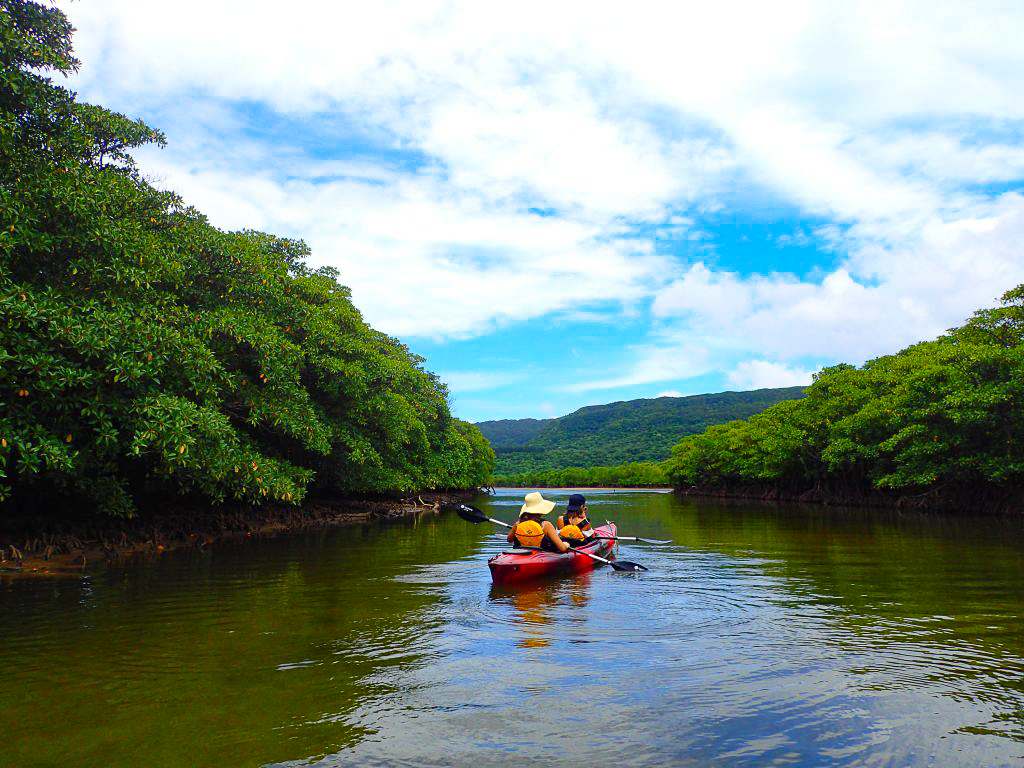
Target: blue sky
{"points": [[564, 204]]}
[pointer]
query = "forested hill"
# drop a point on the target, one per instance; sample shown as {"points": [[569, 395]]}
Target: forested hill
{"points": [[626, 431], [512, 433]]}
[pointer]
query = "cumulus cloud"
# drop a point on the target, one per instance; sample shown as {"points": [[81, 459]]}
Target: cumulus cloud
{"points": [[880, 299], [520, 167], [651, 363], [421, 258], [478, 381], [759, 374]]}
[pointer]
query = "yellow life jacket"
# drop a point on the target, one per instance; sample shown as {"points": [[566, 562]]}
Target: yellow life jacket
{"points": [[564, 521], [528, 533], [571, 532]]}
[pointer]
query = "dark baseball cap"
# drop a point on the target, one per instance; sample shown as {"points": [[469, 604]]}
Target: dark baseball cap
{"points": [[576, 501]]}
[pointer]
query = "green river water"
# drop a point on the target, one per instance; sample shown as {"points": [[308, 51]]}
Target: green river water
{"points": [[762, 636]]}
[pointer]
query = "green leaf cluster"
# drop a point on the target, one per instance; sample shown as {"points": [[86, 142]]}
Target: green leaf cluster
{"points": [[144, 350], [943, 416]]}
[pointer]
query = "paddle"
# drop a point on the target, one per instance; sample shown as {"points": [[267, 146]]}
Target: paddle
{"points": [[635, 538], [474, 515]]}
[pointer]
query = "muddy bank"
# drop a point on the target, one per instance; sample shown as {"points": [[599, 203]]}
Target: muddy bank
{"points": [[43, 546], [940, 500]]}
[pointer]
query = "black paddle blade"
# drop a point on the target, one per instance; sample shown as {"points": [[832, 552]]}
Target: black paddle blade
{"points": [[626, 565], [468, 513]]}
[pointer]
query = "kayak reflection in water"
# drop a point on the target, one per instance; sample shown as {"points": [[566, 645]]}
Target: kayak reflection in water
{"points": [[574, 527], [533, 610], [534, 607], [532, 530]]}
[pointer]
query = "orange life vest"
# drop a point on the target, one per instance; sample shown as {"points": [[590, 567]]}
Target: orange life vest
{"points": [[528, 533], [583, 525], [571, 533]]}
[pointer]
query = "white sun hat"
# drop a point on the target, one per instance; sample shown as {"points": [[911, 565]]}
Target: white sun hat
{"points": [[535, 504]]}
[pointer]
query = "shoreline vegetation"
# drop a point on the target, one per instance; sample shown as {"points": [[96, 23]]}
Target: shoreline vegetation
{"points": [[55, 546], [1010, 502], [150, 361], [635, 474], [938, 425]]}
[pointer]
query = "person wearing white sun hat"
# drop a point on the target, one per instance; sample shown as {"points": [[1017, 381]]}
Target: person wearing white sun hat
{"points": [[532, 530]]}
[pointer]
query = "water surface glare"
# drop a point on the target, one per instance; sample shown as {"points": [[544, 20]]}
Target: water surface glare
{"points": [[762, 636]]}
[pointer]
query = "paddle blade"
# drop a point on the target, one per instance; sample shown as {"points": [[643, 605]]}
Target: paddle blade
{"points": [[467, 513], [626, 565], [654, 541]]}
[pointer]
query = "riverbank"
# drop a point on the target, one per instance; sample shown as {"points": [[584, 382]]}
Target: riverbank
{"points": [[66, 547], [939, 500]]}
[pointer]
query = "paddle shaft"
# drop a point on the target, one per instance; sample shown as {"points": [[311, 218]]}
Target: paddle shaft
{"points": [[608, 538], [635, 538], [475, 515]]}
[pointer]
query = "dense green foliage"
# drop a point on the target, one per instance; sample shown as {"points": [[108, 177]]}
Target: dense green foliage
{"points": [[512, 433], [943, 417], [630, 431], [142, 349], [633, 475]]}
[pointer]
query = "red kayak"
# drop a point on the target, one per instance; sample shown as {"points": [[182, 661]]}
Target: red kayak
{"points": [[518, 565]]}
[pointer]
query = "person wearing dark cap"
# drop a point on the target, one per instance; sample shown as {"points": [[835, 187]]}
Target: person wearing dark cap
{"points": [[574, 526]]}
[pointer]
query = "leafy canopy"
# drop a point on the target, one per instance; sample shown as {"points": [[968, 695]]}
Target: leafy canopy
{"points": [[142, 349]]}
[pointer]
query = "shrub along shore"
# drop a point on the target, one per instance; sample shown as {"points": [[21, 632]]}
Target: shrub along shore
{"points": [[149, 360]]}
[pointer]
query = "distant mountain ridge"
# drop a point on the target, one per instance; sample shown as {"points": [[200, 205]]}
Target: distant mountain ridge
{"points": [[513, 433], [619, 432]]}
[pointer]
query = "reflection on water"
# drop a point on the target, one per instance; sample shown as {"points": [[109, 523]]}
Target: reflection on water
{"points": [[533, 605], [762, 635]]}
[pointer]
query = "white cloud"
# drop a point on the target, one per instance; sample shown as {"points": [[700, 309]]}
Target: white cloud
{"points": [[421, 258], [879, 118], [760, 374], [879, 300], [943, 157], [651, 363], [475, 381], [670, 393]]}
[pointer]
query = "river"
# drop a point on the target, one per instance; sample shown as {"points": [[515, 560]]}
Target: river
{"points": [[762, 636]]}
